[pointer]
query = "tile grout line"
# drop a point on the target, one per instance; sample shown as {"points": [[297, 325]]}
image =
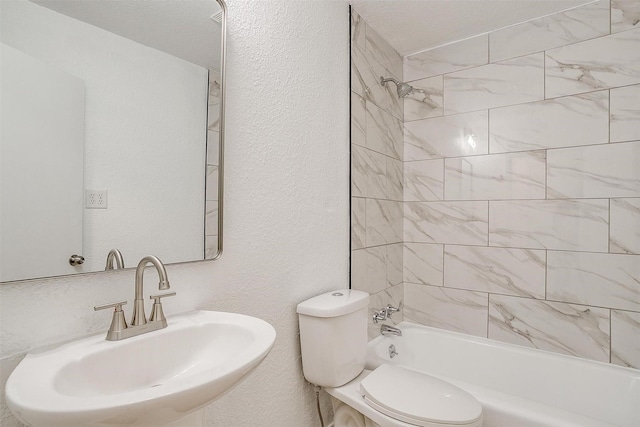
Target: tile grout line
{"points": [[609, 229], [610, 335]]}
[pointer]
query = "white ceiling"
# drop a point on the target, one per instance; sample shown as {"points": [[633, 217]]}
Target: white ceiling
{"points": [[412, 26], [181, 28]]}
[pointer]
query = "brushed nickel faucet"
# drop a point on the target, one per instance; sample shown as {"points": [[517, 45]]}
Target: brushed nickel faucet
{"points": [[114, 255], [138, 318], [119, 329]]}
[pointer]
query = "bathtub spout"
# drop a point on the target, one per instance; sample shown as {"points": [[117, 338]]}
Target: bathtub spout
{"points": [[387, 330]]}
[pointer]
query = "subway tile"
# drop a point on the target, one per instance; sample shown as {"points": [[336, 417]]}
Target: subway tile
{"points": [[358, 171], [365, 81], [625, 226], [381, 51], [560, 122], [358, 120], [509, 82], [384, 222], [600, 63], [393, 295], [575, 330], [507, 271], [425, 100], [376, 174], [368, 173], [609, 170], [449, 136], [625, 113], [385, 133], [605, 280], [358, 26], [450, 309], [446, 59], [423, 263], [551, 31], [376, 269], [625, 15], [581, 225], [362, 72], [625, 338], [463, 223], [368, 269], [395, 179], [496, 176], [424, 180], [359, 269], [394, 264], [358, 223]]}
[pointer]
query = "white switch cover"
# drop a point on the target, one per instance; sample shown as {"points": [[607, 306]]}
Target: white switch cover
{"points": [[95, 199]]}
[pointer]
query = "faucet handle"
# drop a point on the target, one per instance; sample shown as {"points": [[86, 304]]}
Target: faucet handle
{"points": [[379, 316], [118, 322], [156, 298], [157, 315], [117, 305], [389, 309]]}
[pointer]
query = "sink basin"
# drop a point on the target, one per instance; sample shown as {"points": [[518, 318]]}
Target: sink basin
{"points": [[155, 379]]}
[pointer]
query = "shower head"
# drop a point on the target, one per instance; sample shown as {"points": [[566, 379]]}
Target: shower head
{"points": [[404, 89]]}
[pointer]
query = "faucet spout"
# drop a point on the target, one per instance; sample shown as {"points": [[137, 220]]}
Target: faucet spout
{"points": [[387, 330], [114, 255], [139, 318]]}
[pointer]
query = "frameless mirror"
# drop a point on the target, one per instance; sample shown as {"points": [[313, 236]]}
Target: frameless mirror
{"points": [[111, 134]]}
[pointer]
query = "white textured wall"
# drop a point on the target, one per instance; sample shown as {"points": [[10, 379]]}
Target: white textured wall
{"points": [[287, 210]]}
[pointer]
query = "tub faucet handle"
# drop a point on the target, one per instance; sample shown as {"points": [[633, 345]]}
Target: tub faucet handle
{"points": [[379, 316], [389, 309]]}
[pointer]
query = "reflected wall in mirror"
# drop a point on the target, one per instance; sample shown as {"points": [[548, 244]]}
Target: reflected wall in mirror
{"points": [[112, 125]]}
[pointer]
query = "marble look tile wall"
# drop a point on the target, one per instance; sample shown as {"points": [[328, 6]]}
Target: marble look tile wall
{"points": [[522, 184], [213, 146], [625, 14], [601, 63], [551, 31], [377, 175]]}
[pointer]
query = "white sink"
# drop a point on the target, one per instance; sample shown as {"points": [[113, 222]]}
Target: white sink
{"points": [[156, 379]]}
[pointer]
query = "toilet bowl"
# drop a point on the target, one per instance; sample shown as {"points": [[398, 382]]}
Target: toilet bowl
{"points": [[333, 339]]}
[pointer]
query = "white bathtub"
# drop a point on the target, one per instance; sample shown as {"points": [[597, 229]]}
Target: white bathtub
{"points": [[517, 386]]}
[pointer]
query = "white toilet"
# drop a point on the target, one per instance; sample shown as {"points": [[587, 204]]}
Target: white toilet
{"points": [[333, 339]]}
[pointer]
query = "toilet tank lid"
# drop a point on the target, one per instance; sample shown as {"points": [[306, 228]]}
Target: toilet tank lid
{"points": [[334, 303]]}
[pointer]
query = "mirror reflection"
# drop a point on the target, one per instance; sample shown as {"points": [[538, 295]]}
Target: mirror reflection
{"points": [[110, 134]]}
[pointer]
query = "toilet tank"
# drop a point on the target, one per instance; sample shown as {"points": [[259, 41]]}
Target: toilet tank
{"points": [[333, 336]]}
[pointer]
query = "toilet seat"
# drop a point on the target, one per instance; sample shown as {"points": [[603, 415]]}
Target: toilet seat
{"points": [[419, 399]]}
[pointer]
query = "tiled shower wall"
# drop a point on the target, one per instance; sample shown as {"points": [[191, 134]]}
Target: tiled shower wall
{"points": [[376, 169], [213, 150], [522, 185]]}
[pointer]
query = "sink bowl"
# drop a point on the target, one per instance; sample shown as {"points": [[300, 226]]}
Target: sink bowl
{"points": [[156, 379]]}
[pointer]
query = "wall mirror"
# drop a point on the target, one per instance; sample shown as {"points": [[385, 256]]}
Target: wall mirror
{"points": [[111, 135]]}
